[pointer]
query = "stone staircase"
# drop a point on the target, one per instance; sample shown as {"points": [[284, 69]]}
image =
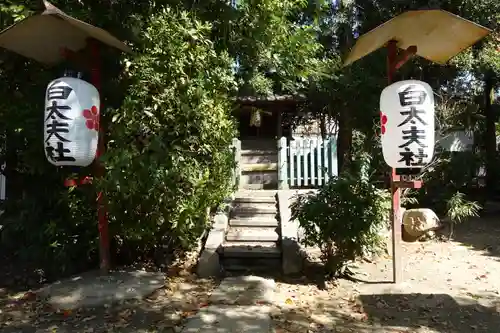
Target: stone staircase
{"points": [[252, 241], [259, 164]]}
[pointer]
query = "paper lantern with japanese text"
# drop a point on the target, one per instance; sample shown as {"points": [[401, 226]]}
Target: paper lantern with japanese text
{"points": [[71, 122], [407, 124]]}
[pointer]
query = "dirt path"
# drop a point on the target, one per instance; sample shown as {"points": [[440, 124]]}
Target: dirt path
{"points": [[450, 287], [164, 311]]}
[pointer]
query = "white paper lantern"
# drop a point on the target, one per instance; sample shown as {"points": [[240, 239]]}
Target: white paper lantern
{"points": [[71, 122], [407, 120]]}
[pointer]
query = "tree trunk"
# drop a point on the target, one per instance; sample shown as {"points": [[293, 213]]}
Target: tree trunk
{"points": [[322, 125], [13, 187], [346, 39], [490, 134], [344, 139]]}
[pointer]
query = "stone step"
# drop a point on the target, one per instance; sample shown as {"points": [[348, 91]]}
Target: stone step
{"points": [[257, 205], [260, 152], [253, 222], [264, 265], [259, 177], [259, 187], [255, 199], [252, 193], [259, 167], [238, 249], [248, 212], [258, 156], [250, 244], [252, 234], [259, 144]]}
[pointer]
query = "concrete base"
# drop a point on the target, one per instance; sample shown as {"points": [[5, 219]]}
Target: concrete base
{"points": [[209, 263], [92, 289], [293, 253]]}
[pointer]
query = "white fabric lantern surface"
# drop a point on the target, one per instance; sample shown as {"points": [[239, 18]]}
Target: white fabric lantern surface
{"points": [[71, 122], [407, 120]]}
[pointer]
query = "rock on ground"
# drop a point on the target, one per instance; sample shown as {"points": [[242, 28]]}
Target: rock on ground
{"points": [[93, 289], [240, 304]]}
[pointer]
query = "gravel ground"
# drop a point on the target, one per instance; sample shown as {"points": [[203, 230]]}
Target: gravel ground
{"points": [[449, 287], [164, 311]]}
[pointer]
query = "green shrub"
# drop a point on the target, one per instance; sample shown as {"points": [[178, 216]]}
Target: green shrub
{"points": [[344, 219], [459, 209], [169, 159]]}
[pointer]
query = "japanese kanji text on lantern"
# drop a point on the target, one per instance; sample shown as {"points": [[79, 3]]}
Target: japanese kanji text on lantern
{"points": [[71, 122], [407, 120]]}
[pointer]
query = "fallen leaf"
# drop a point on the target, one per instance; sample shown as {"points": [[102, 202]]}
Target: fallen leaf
{"points": [[288, 301], [88, 318], [186, 314], [29, 296]]}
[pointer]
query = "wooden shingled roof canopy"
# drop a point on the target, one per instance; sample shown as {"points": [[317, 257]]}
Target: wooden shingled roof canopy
{"points": [[438, 35], [42, 36]]}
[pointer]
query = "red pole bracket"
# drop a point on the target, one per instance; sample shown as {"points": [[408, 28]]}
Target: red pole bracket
{"points": [[405, 56], [77, 182], [408, 184]]}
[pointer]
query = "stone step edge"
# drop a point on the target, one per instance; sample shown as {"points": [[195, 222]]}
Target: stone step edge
{"points": [[253, 209], [256, 187], [257, 207], [250, 268], [259, 152], [253, 223], [252, 252], [252, 238], [239, 213], [255, 167], [261, 199]]}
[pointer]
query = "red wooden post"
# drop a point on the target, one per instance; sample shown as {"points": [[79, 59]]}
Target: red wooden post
{"points": [[99, 169], [397, 270], [393, 64], [94, 65]]}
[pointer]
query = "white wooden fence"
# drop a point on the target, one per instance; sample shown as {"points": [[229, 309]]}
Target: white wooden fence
{"points": [[306, 162]]}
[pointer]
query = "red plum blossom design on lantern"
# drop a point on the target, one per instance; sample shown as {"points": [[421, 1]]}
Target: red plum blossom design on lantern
{"points": [[383, 121], [92, 116]]}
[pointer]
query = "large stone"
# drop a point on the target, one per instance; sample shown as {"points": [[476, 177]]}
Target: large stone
{"points": [[92, 289], [230, 319], [419, 221], [239, 305], [244, 290]]}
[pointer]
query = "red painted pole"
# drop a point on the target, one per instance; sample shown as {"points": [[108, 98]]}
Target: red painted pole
{"points": [[99, 169], [397, 272]]}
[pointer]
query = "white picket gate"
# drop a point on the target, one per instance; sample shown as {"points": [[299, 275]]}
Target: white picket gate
{"points": [[306, 162]]}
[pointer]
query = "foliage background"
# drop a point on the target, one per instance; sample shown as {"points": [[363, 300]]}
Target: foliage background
{"points": [[169, 114]]}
